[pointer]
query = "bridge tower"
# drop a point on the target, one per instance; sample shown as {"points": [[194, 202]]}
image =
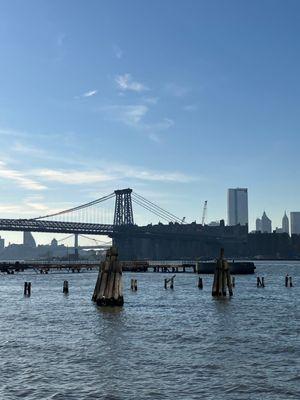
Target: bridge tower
{"points": [[123, 207]]}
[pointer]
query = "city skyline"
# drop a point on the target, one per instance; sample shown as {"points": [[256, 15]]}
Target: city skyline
{"points": [[87, 107]]}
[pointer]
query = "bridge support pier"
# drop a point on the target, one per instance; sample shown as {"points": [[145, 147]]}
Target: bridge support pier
{"points": [[76, 246]]}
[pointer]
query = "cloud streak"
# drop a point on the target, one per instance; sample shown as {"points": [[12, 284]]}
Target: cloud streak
{"points": [[113, 173], [134, 116], [126, 83], [90, 93], [19, 178], [118, 52]]}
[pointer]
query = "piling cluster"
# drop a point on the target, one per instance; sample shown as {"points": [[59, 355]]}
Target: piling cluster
{"points": [[108, 289], [169, 282], [260, 281], [222, 280]]}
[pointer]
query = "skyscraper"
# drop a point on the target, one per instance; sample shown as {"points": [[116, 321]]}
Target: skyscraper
{"points": [[266, 224], [237, 206], [258, 225], [285, 224], [28, 239], [295, 222]]}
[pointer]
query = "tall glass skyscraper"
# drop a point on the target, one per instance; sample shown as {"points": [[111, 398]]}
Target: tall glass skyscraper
{"points": [[237, 206], [295, 222]]}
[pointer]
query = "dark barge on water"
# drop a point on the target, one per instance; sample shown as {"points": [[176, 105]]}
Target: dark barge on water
{"points": [[200, 267]]}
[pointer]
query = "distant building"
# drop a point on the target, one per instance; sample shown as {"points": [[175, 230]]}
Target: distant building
{"points": [[237, 206], [295, 222], [285, 224], [2, 243], [214, 223], [266, 224], [28, 239], [279, 230], [258, 225], [54, 243]]}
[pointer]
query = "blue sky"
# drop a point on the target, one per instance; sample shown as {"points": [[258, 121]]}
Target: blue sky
{"points": [[179, 100]]}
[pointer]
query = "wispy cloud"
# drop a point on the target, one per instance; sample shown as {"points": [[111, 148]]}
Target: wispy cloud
{"points": [[90, 93], [151, 100], [118, 52], [190, 107], [125, 82], [144, 174], [26, 149], [108, 174], [12, 133], [130, 114], [72, 177], [20, 178], [176, 90], [134, 116]]}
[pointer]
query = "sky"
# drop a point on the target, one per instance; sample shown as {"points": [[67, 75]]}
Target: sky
{"points": [[178, 100]]}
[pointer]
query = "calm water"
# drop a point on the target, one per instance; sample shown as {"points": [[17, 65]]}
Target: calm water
{"points": [[162, 345]]}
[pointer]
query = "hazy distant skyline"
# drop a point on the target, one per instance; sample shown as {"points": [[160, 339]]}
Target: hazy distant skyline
{"points": [[179, 100]]}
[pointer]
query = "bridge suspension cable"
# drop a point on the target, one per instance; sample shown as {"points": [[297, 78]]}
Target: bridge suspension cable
{"points": [[155, 209], [82, 206], [95, 240]]}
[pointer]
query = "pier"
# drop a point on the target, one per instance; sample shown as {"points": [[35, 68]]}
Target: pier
{"points": [[205, 267]]}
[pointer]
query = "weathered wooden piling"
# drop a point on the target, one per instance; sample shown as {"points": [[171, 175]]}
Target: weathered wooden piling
{"points": [[66, 287], [170, 281], [290, 281], [260, 282], [133, 285], [200, 283], [222, 279], [27, 289], [287, 280], [108, 288], [233, 281]]}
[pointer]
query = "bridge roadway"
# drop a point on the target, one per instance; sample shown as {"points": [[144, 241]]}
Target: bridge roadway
{"points": [[33, 225]]}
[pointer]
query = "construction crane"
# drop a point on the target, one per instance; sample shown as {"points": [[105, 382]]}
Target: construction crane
{"points": [[204, 213]]}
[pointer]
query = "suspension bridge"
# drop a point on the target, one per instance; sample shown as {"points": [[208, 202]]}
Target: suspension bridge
{"points": [[73, 219], [172, 238]]}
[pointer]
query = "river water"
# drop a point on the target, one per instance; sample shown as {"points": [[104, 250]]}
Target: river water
{"points": [[163, 344]]}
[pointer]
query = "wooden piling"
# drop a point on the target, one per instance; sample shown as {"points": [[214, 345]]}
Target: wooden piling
{"points": [[233, 281], [133, 285], [27, 289], [287, 280], [170, 281], [258, 282], [200, 283], [66, 287], [222, 279], [262, 281], [291, 283], [108, 289]]}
